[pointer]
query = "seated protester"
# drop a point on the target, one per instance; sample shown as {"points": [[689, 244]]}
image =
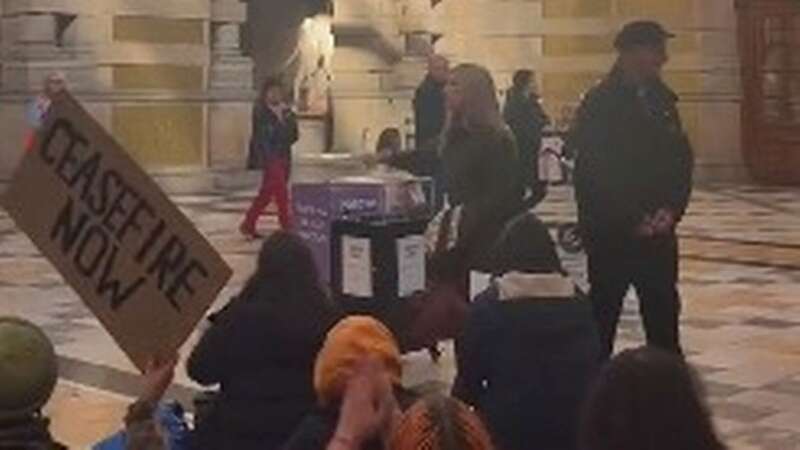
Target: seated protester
{"points": [[260, 348], [28, 374], [440, 423], [529, 348], [432, 423], [647, 399], [347, 344]]}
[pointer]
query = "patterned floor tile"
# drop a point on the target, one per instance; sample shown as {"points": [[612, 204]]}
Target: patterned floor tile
{"points": [[766, 399], [736, 412], [740, 284], [789, 421]]}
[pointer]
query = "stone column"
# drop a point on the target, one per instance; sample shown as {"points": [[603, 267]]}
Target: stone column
{"points": [[229, 68], [167, 79], [230, 87], [717, 97]]}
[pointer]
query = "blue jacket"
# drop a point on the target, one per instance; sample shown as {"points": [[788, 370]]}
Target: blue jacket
{"points": [[525, 359]]}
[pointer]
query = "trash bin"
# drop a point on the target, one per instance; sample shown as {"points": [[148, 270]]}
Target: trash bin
{"points": [[317, 205], [377, 263]]}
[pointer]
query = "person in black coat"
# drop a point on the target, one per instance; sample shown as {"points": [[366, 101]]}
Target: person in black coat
{"points": [[261, 348], [633, 180], [481, 169], [524, 114], [275, 131], [430, 115], [429, 101], [529, 349]]}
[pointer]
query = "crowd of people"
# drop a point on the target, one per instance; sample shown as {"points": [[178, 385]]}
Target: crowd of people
{"points": [[295, 377], [297, 374], [534, 354]]}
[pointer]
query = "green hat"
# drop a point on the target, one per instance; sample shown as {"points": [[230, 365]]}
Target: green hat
{"points": [[28, 368]]}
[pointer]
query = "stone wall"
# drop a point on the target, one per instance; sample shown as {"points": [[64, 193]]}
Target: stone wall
{"points": [[166, 78], [567, 42]]}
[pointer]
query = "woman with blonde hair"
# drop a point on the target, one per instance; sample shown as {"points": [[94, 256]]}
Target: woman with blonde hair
{"points": [[481, 169]]}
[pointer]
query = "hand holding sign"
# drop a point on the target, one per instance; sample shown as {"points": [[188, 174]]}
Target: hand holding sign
{"points": [[157, 377], [136, 261]]}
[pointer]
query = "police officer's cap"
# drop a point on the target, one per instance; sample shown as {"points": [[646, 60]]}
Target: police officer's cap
{"points": [[641, 32]]}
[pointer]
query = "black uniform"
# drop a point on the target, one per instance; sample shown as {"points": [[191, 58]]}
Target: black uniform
{"points": [[526, 118], [429, 110], [633, 159]]}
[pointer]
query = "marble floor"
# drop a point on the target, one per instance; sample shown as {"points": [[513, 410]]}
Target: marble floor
{"points": [[740, 282]]}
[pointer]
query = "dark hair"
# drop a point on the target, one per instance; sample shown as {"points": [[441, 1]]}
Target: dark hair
{"points": [[647, 398], [525, 245], [387, 138], [268, 84], [285, 267], [437, 422], [522, 77]]}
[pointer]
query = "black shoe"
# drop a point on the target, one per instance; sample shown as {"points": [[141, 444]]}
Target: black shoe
{"points": [[249, 234]]}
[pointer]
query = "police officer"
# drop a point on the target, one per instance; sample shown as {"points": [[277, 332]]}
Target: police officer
{"points": [[632, 183]]}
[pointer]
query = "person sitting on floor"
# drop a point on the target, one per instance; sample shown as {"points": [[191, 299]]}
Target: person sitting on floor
{"points": [[434, 422], [529, 348], [347, 344], [648, 399], [261, 347], [440, 423], [28, 375]]}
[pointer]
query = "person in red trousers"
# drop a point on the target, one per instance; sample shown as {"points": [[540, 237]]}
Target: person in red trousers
{"points": [[274, 133]]}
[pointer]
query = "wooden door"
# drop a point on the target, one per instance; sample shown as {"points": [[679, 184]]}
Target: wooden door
{"points": [[769, 33]]}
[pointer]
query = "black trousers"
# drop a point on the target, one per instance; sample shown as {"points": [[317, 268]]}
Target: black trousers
{"points": [[651, 267]]}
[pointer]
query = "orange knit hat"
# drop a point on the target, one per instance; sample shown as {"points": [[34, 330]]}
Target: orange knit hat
{"points": [[346, 344], [438, 422]]}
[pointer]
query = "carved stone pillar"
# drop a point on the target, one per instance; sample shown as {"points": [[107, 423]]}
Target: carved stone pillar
{"points": [[229, 68], [231, 87]]}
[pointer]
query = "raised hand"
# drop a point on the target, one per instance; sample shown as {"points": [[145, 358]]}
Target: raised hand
{"points": [[158, 376], [368, 409]]}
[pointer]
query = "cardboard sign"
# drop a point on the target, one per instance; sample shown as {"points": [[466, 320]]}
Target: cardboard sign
{"points": [[136, 261]]}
